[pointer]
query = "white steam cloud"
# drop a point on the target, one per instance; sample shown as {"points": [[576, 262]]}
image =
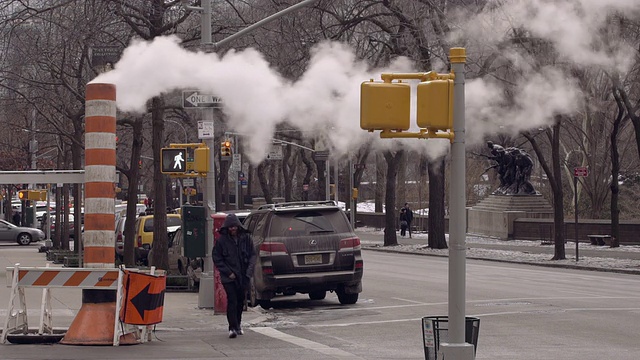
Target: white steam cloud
{"points": [[325, 100]]}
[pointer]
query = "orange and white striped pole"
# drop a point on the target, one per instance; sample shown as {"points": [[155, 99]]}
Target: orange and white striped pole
{"points": [[94, 323]]}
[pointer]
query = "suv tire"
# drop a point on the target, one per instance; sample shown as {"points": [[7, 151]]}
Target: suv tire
{"points": [[346, 299], [317, 295]]}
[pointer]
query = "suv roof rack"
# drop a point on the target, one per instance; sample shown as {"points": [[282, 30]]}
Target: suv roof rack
{"points": [[298, 204]]}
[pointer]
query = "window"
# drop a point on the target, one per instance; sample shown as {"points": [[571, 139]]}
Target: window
{"points": [[307, 223]]}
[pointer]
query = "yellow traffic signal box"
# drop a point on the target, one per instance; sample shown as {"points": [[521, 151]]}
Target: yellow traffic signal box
{"points": [[435, 105], [385, 106], [201, 160], [38, 195]]}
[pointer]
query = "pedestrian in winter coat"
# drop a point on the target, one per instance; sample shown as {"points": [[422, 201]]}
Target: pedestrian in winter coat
{"points": [[235, 257], [409, 217], [404, 224]]}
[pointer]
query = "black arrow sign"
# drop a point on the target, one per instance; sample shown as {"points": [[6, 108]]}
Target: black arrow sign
{"points": [[145, 301]]}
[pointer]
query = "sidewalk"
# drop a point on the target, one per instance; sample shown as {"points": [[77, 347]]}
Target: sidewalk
{"points": [[624, 259]]}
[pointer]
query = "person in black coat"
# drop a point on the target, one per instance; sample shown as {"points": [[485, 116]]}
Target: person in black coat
{"points": [[409, 217], [234, 256]]}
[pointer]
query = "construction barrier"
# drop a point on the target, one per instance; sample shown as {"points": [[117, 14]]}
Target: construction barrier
{"points": [[143, 296]]}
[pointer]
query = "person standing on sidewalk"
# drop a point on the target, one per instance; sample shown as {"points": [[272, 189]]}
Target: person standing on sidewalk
{"points": [[235, 258], [408, 216], [403, 222]]}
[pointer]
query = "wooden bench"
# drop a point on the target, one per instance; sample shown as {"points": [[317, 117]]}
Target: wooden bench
{"points": [[599, 239]]}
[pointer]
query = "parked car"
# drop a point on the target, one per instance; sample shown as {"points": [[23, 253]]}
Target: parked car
{"points": [[304, 247], [144, 233], [21, 235], [178, 263]]}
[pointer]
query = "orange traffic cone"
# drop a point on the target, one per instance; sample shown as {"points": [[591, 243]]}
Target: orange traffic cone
{"points": [[94, 326]]}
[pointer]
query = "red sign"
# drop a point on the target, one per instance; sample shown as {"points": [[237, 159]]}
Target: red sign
{"points": [[582, 171]]}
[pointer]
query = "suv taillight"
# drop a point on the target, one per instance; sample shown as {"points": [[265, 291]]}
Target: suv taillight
{"points": [[119, 237], [272, 248], [350, 244], [139, 241]]}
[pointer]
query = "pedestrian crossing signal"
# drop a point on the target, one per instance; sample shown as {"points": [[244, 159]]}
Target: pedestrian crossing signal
{"points": [[23, 194], [225, 148], [173, 160]]}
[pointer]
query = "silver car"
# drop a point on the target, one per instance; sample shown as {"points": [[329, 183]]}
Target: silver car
{"points": [[21, 235]]}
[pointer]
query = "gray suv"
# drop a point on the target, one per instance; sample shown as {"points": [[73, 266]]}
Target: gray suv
{"points": [[304, 247]]}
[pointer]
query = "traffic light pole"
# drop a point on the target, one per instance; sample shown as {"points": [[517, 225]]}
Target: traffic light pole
{"points": [[457, 348]]}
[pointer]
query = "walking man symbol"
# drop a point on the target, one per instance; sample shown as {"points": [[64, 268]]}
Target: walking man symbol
{"points": [[177, 161]]}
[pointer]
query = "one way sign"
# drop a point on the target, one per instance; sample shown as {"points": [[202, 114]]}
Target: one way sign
{"points": [[195, 99], [173, 160]]}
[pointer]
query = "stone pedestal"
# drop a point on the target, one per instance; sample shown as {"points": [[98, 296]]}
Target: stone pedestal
{"points": [[494, 216]]}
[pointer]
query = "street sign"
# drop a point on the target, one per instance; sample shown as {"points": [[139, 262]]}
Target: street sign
{"points": [[104, 55], [188, 182], [173, 160], [236, 162], [582, 171], [275, 153], [195, 99], [205, 130]]}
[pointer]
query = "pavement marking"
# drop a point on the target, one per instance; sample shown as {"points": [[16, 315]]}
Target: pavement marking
{"points": [[308, 344], [410, 301]]}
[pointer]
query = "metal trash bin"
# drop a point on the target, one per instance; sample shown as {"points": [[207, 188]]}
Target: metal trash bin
{"points": [[435, 330]]}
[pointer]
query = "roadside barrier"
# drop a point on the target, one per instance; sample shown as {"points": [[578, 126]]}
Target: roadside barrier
{"points": [[139, 299]]}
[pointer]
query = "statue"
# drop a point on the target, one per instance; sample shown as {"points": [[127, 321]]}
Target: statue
{"points": [[514, 166]]}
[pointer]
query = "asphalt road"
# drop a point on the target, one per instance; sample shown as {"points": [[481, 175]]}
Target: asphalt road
{"points": [[525, 312]]}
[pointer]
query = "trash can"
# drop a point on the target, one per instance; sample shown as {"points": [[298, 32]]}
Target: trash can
{"points": [[435, 330]]}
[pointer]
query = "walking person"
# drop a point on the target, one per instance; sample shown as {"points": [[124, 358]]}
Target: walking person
{"points": [[235, 258], [409, 216], [403, 222]]}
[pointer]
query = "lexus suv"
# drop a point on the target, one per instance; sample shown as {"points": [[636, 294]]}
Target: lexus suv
{"points": [[304, 247]]}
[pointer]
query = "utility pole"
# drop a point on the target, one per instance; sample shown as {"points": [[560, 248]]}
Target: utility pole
{"points": [[33, 148]]}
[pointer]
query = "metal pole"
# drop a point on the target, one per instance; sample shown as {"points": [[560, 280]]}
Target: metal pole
{"points": [[575, 205], [457, 348], [33, 148], [206, 291], [327, 196], [336, 175], [352, 202], [235, 151]]}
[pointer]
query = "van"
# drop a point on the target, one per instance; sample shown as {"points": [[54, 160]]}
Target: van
{"points": [[144, 232]]}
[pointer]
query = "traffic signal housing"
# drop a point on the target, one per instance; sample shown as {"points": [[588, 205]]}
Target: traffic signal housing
{"points": [[201, 160], [173, 160], [38, 195], [225, 148], [385, 106], [435, 105]]}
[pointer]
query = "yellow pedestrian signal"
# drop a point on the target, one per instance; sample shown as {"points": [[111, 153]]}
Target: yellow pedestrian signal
{"points": [[385, 106], [225, 148], [435, 105]]}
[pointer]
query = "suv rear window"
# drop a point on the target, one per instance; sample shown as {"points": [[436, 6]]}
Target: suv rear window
{"points": [[308, 222]]}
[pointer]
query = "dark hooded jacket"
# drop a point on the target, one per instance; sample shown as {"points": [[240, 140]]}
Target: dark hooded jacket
{"points": [[234, 256]]}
